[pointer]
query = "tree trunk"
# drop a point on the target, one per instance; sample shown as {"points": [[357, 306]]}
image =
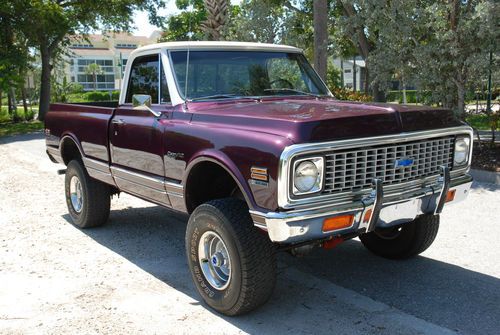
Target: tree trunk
{"points": [[320, 11], [341, 73], [25, 104], [44, 83], [378, 94], [367, 80], [404, 90], [460, 99], [354, 75]]}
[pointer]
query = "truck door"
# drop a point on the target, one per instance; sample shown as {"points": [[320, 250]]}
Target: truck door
{"points": [[136, 143]]}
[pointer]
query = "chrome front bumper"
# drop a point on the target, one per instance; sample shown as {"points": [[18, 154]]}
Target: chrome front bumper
{"points": [[386, 211]]}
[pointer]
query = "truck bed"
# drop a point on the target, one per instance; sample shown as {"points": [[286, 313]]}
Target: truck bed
{"points": [[87, 122]]}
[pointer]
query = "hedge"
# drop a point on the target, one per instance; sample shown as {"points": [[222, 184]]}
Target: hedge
{"points": [[94, 96]]}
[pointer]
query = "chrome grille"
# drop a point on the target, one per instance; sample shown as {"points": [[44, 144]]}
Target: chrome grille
{"points": [[350, 170]]}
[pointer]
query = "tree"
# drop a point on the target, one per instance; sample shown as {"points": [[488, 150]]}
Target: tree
{"points": [[187, 24], [217, 16], [49, 24], [94, 70], [440, 45], [14, 57], [254, 21], [320, 10]]}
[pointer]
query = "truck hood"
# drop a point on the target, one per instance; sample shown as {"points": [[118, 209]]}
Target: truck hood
{"points": [[307, 119]]}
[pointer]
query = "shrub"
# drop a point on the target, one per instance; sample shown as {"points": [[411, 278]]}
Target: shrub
{"points": [[412, 96], [347, 94], [94, 96]]}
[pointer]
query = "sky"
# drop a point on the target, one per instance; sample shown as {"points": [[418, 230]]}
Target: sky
{"points": [[143, 28]]}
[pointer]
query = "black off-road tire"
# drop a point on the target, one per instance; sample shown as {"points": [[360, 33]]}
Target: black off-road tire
{"points": [[403, 242], [96, 198], [251, 253]]}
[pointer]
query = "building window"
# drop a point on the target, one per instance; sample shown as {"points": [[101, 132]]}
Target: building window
{"points": [[82, 46], [347, 71], [125, 45], [105, 81]]}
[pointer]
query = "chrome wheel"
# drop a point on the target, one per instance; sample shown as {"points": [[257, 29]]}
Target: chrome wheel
{"points": [[214, 260], [76, 194]]}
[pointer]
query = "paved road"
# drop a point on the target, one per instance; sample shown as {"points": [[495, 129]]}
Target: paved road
{"points": [[131, 276]]}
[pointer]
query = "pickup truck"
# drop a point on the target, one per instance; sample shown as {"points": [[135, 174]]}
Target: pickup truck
{"points": [[248, 140]]}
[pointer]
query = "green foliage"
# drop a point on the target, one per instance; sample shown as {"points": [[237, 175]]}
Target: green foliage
{"points": [[412, 96], [93, 96], [333, 77], [187, 24], [62, 89], [10, 128], [49, 24], [479, 121], [20, 114], [347, 94]]}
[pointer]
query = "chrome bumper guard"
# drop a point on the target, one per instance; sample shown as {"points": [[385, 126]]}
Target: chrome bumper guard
{"points": [[373, 211]]}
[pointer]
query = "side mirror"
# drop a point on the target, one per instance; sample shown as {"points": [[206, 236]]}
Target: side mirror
{"points": [[143, 102]]}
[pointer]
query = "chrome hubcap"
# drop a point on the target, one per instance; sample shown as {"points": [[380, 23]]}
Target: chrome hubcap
{"points": [[214, 260], [76, 194]]}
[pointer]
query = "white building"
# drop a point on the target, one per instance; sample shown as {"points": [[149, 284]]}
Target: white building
{"points": [[353, 71], [109, 51]]}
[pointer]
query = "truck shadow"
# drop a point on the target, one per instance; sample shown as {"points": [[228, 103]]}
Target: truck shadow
{"points": [[438, 292]]}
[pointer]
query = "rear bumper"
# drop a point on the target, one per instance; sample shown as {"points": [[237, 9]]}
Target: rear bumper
{"points": [[305, 225]]}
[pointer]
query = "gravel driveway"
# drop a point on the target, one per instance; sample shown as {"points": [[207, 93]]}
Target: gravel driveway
{"points": [[131, 276]]}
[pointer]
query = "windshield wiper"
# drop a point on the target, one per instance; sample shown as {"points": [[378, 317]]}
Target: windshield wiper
{"points": [[220, 96], [291, 90]]}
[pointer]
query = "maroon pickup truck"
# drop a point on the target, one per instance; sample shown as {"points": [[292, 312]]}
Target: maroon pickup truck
{"points": [[248, 140]]}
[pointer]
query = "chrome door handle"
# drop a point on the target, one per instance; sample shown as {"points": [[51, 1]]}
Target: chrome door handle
{"points": [[117, 121]]}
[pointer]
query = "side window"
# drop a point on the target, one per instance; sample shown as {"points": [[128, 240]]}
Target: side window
{"points": [[144, 78]]}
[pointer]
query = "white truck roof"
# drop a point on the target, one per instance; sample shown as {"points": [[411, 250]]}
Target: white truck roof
{"points": [[216, 45]]}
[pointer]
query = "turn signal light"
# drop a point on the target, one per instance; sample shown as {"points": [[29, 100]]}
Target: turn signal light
{"points": [[338, 222], [450, 195]]}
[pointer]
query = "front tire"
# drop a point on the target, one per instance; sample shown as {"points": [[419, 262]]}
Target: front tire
{"points": [[405, 241], [232, 263], [88, 200]]}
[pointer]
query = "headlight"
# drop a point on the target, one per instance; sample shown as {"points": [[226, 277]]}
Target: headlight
{"points": [[308, 176], [462, 145]]}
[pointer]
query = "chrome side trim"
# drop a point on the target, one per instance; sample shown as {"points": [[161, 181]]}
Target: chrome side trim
{"points": [[284, 200], [174, 189], [155, 183], [158, 186]]}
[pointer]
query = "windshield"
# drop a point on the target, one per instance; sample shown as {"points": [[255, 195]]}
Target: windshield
{"points": [[227, 74]]}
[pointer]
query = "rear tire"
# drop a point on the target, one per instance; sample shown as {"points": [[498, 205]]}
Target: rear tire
{"points": [[88, 200], [232, 263], [405, 241]]}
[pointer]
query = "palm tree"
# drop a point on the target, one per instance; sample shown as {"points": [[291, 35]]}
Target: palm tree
{"points": [[94, 70], [217, 14]]}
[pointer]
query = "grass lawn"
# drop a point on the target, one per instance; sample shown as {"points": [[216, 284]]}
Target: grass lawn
{"points": [[7, 127], [479, 121], [11, 128], [4, 113]]}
